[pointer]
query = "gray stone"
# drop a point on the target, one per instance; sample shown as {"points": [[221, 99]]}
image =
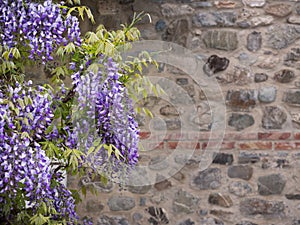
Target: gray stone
{"points": [[178, 32], [256, 206], [182, 81], [241, 100], [240, 121], [158, 163], [240, 171], [158, 215], [162, 183], [292, 97], [279, 9], [281, 36], [215, 64], [203, 4], [254, 41], [273, 117], [292, 58], [244, 24], [255, 3], [139, 189], [245, 157], [215, 19], [220, 200], [225, 215], [284, 76], [220, 39], [247, 59], [239, 188], [94, 206], [261, 21], [124, 2], [207, 179], [211, 221], [223, 159], [184, 202], [267, 94], [143, 201], [293, 196], [121, 203], [160, 25], [271, 184], [168, 111], [260, 77], [137, 217], [187, 222], [173, 10], [246, 223]]}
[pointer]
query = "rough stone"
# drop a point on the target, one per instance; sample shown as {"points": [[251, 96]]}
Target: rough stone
{"points": [[267, 94], [254, 41], [246, 223], [105, 220], [184, 202], [260, 77], [177, 32], [292, 58], [239, 188], [137, 217], [247, 59], [201, 4], [157, 215], [173, 10], [94, 206], [225, 215], [124, 2], [245, 157], [215, 64], [215, 19], [284, 76], [139, 189], [182, 81], [223, 159], [187, 222], [279, 9], [121, 203], [220, 39], [168, 110], [281, 36], [241, 100], [240, 171], [162, 183], [256, 206], [240, 121], [160, 25], [269, 62], [158, 163], [261, 21], [293, 196], [273, 117], [294, 19], [225, 4], [271, 184], [211, 221], [220, 200], [255, 3], [240, 76], [207, 179], [292, 97]]}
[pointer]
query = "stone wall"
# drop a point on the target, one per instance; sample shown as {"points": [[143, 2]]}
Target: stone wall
{"points": [[193, 171]]}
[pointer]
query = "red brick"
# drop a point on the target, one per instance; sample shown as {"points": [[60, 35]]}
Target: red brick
{"points": [[297, 136], [144, 135], [176, 136], [287, 145], [224, 145], [182, 145], [255, 145], [274, 136], [240, 136], [147, 145]]}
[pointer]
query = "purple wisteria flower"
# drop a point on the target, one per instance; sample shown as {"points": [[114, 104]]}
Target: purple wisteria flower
{"points": [[105, 111], [26, 173], [41, 27]]}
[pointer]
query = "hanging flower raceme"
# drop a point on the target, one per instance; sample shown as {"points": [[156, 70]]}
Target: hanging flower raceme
{"points": [[105, 111], [41, 27], [26, 173]]}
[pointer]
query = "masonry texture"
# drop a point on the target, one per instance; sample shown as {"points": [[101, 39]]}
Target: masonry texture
{"points": [[250, 49]]}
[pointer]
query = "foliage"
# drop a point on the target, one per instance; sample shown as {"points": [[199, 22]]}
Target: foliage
{"points": [[88, 128]]}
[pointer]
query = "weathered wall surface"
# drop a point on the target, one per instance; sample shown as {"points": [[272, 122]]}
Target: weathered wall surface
{"points": [[254, 177]]}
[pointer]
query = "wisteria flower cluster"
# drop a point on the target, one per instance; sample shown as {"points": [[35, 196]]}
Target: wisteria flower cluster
{"points": [[41, 27], [105, 112], [26, 173]]}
